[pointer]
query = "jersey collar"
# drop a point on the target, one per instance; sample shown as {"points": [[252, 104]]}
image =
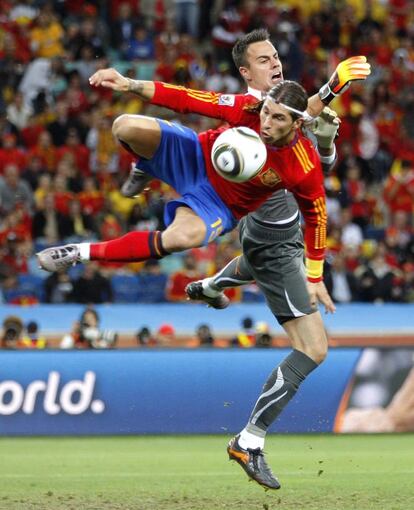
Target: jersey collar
{"points": [[255, 93]]}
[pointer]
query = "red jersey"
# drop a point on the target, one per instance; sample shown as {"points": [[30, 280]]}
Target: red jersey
{"points": [[295, 167]]}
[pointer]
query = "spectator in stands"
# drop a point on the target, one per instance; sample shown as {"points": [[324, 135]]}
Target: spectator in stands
{"points": [[10, 154], [340, 282], [203, 337], [49, 224], [141, 46], [351, 232], [165, 336], [87, 36], [60, 127], [375, 280], [14, 190], [80, 226], [58, 288], [78, 338], [31, 338], [263, 337], [187, 16], [92, 286], [399, 189], [144, 337], [33, 171], [18, 112], [178, 281], [246, 337], [122, 28], [42, 76], [11, 333], [222, 80], [141, 219], [47, 35], [45, 149]]}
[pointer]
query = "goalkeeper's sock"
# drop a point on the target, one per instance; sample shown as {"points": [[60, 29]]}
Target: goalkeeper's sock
{"points": [[279, 388], [234, 274], [132, 247]]}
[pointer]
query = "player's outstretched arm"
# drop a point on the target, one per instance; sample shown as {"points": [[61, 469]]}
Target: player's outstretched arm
{"points": [[347, 71], [111, 79]]}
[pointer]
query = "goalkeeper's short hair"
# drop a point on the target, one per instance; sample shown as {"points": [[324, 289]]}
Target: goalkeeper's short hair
{"points": [[239, 49]]}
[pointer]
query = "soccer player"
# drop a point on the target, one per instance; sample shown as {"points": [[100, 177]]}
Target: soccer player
{"points": [[209, 204]]}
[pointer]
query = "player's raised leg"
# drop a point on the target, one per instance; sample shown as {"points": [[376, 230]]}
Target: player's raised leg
{"points": [[138, 137], [187, 230], [210, 290]]}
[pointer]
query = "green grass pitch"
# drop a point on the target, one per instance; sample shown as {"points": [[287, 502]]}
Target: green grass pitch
{"points": [[192, 473]]}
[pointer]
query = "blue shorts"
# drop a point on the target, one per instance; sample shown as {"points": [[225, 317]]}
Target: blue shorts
{"points": [[179, 162]]}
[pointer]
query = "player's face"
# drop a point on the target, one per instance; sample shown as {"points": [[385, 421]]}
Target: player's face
{"points": [[264, 68], [276, 124]]}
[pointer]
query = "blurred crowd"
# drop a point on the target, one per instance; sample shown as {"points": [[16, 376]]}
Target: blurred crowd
{"points": [[61, 168], [87, 333]]}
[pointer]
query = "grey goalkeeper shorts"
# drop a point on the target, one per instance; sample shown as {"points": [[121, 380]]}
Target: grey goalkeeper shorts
{"points": [[275, 259]]}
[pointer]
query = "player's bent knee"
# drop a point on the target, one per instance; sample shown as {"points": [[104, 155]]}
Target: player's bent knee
{"points": [[120, 127]]}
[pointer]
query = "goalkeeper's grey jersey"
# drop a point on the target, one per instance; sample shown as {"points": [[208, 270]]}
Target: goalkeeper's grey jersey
{"points": [[279, 210]]}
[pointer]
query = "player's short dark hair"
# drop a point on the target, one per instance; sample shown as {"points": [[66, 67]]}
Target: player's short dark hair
{"points": [[239, 49], [291, 94]]}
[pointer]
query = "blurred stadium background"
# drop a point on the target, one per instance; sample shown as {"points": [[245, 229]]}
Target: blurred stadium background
{"points": [[60, 175]]}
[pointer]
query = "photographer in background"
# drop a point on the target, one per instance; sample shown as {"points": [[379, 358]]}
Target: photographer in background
{"points": [[86, 333], [32, 339], [12, 331]]}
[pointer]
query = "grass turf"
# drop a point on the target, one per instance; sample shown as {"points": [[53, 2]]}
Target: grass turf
{"points": [[192, 473]]}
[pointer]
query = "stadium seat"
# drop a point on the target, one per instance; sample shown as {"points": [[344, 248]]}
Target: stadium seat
{"points": [[125, 288], [252, 294], [31, 285], [151, 288]]}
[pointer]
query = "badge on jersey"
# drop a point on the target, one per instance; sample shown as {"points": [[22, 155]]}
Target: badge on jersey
{"points": [[226, 100], [270, 177]]}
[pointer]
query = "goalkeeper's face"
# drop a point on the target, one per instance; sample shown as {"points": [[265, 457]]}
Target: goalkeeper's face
{"points": [[263, 67]]}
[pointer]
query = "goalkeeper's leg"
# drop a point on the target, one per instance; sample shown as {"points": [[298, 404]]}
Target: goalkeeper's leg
{"points": [[210, 290]]}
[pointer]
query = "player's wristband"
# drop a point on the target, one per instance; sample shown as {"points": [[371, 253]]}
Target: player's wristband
{"points": [[328, 160], [314, 270], [326, 95]]}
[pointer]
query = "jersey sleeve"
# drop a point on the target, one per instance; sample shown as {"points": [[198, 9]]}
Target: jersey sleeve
{"points": [[227, 107], [310, 196]]}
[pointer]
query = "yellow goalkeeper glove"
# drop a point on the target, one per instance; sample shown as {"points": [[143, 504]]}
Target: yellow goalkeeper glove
{"points": [[354, 68]]}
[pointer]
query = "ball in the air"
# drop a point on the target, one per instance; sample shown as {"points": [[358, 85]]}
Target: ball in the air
{"points": [[238, 154]]}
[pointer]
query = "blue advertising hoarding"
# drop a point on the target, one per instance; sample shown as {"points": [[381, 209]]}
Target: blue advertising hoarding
{"points": [[158, 391]]}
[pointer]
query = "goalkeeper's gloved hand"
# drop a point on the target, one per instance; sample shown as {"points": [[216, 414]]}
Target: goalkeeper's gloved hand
{"points": [[354, 68], [325, 128]]}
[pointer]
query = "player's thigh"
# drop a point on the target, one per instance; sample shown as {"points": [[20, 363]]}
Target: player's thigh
{"points": [[307, 334], [187, 230], [278, 268], [142, 134]]}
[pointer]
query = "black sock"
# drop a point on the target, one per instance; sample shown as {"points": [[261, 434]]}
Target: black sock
{"points": [[279, 388]]}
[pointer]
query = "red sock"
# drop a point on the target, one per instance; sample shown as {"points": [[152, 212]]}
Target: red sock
{"points": [[132, 247]]}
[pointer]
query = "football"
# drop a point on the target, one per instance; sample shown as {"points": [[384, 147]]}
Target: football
{"points": [[238, 154]]}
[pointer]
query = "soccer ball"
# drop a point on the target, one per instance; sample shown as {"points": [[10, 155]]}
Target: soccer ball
{"points": [[238, 154]]}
